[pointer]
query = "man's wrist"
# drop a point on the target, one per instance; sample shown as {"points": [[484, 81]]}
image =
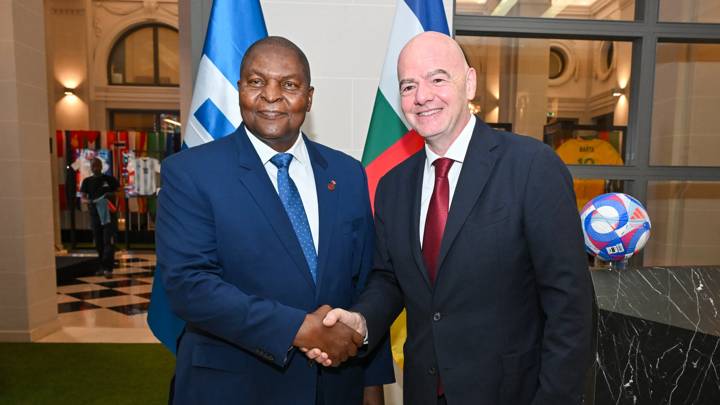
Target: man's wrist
{"points": [[301, 333], [366, 338]]}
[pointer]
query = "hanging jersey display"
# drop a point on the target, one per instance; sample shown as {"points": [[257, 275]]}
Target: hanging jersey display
{"points": [[588, 152], [127, 172], [82, 165], [141, 175], [146, 170]]}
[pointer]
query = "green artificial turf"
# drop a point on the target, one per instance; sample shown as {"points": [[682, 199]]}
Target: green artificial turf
{"points": [[92, 373]]}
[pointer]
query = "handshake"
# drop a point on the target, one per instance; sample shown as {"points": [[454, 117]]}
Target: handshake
{"points": [[330, 336]]}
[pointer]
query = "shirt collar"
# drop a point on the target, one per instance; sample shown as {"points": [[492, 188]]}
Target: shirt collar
{"points": [[265, 152], [459, 147]]}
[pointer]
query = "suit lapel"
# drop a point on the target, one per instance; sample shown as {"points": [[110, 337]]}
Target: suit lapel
{"points": [[327, 206], [415, 184], [477, 167], [254, 177]]}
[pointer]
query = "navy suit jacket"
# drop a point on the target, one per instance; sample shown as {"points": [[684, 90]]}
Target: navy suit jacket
{"points": [[508, 320], [234, 271]]}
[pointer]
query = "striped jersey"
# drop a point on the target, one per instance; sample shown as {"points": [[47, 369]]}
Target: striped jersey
{"points": [[143, 171]]}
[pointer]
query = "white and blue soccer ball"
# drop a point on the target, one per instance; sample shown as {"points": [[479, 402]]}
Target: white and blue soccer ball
{"points": [[616, 226]]}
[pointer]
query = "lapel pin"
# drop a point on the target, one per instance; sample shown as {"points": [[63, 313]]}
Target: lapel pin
{"points": [[331, 185]]}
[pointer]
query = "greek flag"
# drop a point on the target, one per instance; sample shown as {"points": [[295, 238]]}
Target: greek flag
{"points": [[234, 25], [214, 112]]}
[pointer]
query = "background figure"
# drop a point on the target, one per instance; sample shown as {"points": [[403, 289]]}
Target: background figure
{"points": [[255, 232], [479, 238], [99, 192]]}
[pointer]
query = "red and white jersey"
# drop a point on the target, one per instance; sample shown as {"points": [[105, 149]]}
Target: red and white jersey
{"points": [[83, 165]]}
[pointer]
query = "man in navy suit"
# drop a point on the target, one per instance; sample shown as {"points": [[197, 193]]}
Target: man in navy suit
{"points": [[479, 238], [258, 235]]}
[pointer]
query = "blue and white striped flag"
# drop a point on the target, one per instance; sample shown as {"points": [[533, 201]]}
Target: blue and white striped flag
{"points": [[214, 112], [234, 25]]}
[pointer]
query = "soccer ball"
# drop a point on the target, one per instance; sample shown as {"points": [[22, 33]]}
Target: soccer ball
{"points": [[616, 226]]}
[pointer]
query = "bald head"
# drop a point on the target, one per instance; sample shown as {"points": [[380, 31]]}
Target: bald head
{"points": [[436, 84], [433, 43]]}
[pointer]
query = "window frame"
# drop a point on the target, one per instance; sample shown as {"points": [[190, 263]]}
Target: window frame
{"points": [[156, 114], [156, 56], [645, 32]]}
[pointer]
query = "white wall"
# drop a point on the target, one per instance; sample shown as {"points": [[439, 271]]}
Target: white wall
{"points": [[345, 43], [67, 62]]}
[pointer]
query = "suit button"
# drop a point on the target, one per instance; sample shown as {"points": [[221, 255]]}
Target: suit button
{"points": [[432, 371], [311, 363], [436, 316]]}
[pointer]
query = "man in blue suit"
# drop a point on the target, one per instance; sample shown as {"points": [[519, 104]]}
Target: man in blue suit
{"points": [[259, 234]]}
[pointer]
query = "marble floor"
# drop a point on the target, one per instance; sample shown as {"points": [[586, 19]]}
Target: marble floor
{"points": [[107, 309]]}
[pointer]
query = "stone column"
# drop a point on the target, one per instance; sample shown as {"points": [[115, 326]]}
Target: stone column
{"points": [[28, 306]]}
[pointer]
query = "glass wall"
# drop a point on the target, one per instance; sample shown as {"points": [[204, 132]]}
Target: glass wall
{"points": [[701, 11], [577, 9], [555, 90], [685, 128], [624, 94], [685, 223]]}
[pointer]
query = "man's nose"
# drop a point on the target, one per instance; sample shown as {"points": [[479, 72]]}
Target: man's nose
{"points": [[271, 92], [423, 93]]}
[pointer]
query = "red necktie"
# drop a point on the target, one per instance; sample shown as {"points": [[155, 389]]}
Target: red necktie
{"points": [[436, 216], [435, 225]]}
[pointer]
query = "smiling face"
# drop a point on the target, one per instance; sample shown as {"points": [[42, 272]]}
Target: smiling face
{"points": [[275, 95], [435, 86]]}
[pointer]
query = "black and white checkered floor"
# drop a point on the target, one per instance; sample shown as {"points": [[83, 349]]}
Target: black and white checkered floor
{"points": [[107, 309]]}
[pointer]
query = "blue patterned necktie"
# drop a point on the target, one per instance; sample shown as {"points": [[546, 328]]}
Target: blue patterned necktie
{"points": [[292, 202]]}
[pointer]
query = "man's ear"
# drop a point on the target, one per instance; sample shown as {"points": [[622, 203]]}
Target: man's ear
{"points": [[470, 83], [311, 91]]}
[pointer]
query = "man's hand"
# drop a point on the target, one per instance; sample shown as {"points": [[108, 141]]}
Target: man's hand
{"points": [[351, 319], [337, 343], [334, 318]]}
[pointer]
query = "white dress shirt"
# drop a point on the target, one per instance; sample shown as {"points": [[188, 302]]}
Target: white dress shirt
{"points": [[301, 173], [456, 152]]}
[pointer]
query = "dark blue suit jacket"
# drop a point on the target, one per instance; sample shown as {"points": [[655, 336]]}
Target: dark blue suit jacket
{"points": [[508, 320], [234, 271]]}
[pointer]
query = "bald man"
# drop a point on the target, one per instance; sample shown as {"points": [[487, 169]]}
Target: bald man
{"points": [[477, 235]]}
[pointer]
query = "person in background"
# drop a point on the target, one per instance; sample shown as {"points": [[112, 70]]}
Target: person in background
{"points": [[98, 191]]}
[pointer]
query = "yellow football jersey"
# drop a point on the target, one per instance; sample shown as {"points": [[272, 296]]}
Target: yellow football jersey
{"points": [[588, 152]]}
